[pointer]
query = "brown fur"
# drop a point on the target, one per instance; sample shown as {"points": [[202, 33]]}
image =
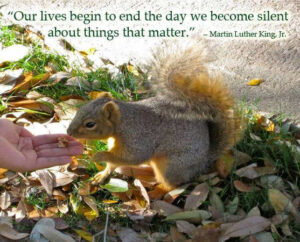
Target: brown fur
{"points": [[181, 131]]}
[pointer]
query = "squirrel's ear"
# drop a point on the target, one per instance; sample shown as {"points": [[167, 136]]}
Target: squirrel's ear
{"points": [[111, 111]]}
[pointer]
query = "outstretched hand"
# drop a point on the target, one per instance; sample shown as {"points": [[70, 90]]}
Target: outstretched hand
{"points": [[21, 151]]}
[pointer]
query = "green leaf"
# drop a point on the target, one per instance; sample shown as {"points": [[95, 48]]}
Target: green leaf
{"points": [[116, 185]]}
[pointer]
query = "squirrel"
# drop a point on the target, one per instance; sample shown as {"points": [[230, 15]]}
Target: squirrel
{"points": [[181, 130]]}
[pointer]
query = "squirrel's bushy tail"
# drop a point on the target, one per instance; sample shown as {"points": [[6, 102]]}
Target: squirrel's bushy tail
{"points": [[185, 89]]}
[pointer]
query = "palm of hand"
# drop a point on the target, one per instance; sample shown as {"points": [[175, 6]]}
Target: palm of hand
{"points": [[21, 151]]}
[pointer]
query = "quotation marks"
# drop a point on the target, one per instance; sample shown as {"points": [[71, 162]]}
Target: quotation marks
{"points": [[10, 13], [191, 30]]}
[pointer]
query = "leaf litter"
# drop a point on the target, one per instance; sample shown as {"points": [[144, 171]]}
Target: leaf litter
{"points": [[63, 204]]}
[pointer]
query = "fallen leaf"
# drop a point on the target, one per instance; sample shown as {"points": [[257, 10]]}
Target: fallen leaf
{"points": [[266, 123], [5, 200], [264, 237], [62, 206], [132, 69], [7, 231], [84, 234], [233, 205], [78, 81], [13, 53], [185, 227], [164, 208], [280, 202], [84, 188], [207, 233], [255, 82], [176, 235], [242, 187], [172, 195], [252, 171], [44, 230], [91, 202], [115, 185], [59, 76], [195, 216], [34, 105], [129, 235], [247, 226], [110, 201], [90, 51], [197, 197], [21, 212], [216, 202], [137, 183], [241, 157], [63, 178], [254, 212], [29, 82], [46, 179], [66, 110], [272, 181]]}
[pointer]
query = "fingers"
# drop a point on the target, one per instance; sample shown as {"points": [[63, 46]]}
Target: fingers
{"points": [[49, 138], [68, 151], [55, 145], [45, 162]]}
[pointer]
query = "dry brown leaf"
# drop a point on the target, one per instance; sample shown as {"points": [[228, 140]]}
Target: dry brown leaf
{"points": [[78, 81], [195, 216], [243, 187], [84, 188], [46, 179], [66, 110], [207, 233], [29, 82], [129, 235], [176, 235], [59, 76], [5, 200], [164, 208], [63, 178], [225, 164], [63, 206], [247, 171], [247, 226], [241, 157], [185, 227], [7, 231], [172, 195], [60, 224], [33, 105], [21, 212], [45, 229], [197, 197], [59, 195], [137, 183]]}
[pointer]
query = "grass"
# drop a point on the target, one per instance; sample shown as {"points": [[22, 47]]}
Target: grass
{"points": [[276, 147]]}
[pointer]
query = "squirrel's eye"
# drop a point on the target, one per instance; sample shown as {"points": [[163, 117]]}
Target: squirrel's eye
{"points": [[90, 125]]}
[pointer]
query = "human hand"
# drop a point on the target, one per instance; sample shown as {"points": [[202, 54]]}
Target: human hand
{"points": [[21, 151]]}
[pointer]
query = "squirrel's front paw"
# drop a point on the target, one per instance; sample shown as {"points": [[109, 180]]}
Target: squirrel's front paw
{"points": [[100, 177]]}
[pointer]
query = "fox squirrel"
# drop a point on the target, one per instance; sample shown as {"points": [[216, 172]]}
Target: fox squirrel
{"points": [[180, 131]]}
